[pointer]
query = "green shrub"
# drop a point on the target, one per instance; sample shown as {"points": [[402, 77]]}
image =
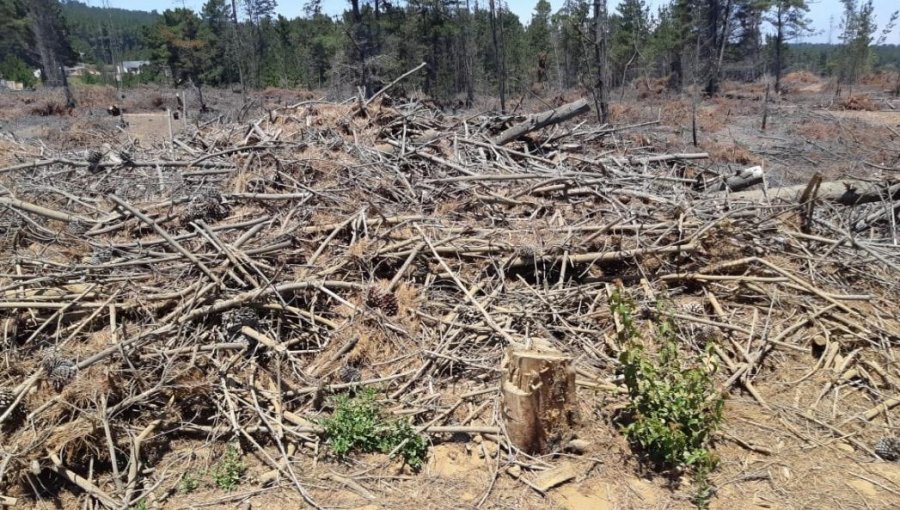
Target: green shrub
{"points": [[15, 70], [188, 484], [227, 473], [358, 425], [673, 409]]}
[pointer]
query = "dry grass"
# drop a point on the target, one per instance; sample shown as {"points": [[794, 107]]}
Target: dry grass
{"points": [[650, 88], [858, 103], [883, 80], [800, 77], [95, 96], [814, 130], [49, 108], [712, 116], [731, 153]]}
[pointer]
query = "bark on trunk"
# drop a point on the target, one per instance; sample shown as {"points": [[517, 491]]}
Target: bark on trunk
{"points": [[601, 85], [543, 119], [844, 192], [744, 179]]}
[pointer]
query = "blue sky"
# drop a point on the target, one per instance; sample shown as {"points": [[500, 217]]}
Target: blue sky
{"points": [[821, 10]]}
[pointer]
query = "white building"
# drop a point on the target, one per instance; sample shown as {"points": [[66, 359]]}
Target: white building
{"points": [[132, 66]]}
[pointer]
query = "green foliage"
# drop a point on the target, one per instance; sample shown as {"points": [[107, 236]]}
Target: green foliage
{"points": [[188, 484], [859, 31], [621, 304], [410, 445], [673, 409], [107, 35], [15, 32], [357, 425], [181, 41], [141, 505], [228, 472], [14, 69]]}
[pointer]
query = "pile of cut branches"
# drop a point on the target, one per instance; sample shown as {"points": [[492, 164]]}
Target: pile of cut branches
{"points": [[222, 287]]}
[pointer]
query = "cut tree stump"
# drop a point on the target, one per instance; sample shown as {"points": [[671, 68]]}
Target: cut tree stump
{"points": [[539, 405]]}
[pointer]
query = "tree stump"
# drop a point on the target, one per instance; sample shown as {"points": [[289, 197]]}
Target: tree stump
{"points": [[539, 405]]}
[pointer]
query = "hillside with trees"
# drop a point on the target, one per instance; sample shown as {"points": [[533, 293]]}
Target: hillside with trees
{"points": [[469, 48], [107, 35]]}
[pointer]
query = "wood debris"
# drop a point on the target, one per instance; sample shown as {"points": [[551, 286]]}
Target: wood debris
{"points": [[227, 284]]}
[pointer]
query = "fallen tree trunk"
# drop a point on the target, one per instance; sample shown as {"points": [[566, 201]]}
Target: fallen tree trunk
{"points": [[543, 119], [744, 179], [844, 192]]}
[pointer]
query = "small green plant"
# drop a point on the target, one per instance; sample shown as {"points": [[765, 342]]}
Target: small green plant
{"points": [[673, 409], [409, 444], [358, 425], [227, 473], [188, 484], [141, 505], [622, 306]]}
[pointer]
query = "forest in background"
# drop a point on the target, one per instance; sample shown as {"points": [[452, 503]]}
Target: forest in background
{"points": [[470, 48]]}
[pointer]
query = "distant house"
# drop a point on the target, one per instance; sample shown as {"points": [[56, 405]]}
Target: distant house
{"points": [[11, 85], [81, 70], [133, 66], [76, 70]]}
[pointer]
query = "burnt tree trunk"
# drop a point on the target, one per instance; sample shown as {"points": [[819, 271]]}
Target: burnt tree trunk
{"points": [[539, 406]]}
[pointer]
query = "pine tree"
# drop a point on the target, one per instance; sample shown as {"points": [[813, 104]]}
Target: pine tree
{"points": [[859, 30], [539, 42], [184, 44], [788, 19], [630, 33]]}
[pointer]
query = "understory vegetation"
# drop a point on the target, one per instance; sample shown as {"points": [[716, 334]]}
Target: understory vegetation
{"points": [[673, 407], [359, 425]]}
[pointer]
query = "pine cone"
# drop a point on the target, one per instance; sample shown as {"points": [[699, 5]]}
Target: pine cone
{"points": [[705, 332], [888, 448], [15, 419], [384, 301], [6, 399], [236, 318], [206, 204], [101, 256], [349, 374], [77, 227], [694, 309], [61, 371], [94, 158]]}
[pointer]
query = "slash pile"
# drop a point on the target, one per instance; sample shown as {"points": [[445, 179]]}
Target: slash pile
{"points": [[220, 288]]}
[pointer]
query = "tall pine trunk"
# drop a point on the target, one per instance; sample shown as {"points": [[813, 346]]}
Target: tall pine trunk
{"points": [[238, 54], [710, 48], [779, 43], [601, 85], [47, 42], [499, 59]]}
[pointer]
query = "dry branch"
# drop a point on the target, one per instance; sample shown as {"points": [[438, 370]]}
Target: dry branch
{"points": [[542, 120]]}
